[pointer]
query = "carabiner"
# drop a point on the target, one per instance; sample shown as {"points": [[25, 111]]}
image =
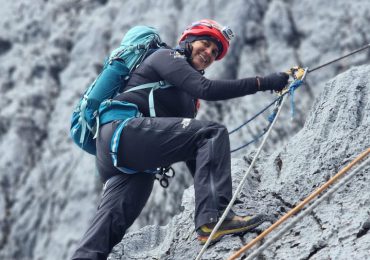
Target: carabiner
{"points": [[297, 72], [164, 182], [162, 175], [169, 170]]}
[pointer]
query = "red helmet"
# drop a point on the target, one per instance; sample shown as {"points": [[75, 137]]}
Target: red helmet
{"points": [[210, 28]]}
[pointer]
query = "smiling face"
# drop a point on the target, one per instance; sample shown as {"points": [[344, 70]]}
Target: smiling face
{"points": [[203, 54]]}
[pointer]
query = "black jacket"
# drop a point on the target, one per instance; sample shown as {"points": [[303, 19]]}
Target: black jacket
{"points": [[188, 86]]}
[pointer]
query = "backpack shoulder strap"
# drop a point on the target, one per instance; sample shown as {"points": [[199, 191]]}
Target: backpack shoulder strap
{"points": [[153, 86]]}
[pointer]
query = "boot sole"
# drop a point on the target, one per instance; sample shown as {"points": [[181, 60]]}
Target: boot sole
{"points": [[220, 234]]}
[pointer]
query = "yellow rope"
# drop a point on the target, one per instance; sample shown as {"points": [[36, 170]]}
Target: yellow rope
{"points": [[300, 205]]}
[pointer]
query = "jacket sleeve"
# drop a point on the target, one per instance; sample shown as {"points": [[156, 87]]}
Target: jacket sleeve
{"points": [[191, 164], [176, 70]]}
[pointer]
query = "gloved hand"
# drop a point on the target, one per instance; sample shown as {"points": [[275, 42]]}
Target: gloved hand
{"points": [[276, 81]]}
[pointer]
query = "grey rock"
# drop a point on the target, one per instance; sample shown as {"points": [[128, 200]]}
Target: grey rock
{"points": [[334, 134], [50, 51]]}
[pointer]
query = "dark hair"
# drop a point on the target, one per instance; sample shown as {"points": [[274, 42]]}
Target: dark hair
{"points": [[192, 38]]}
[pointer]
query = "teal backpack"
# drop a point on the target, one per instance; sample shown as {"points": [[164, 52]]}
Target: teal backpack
{"points": [[96, 107]]}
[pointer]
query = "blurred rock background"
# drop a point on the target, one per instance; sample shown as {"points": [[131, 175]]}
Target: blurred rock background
{"points": [[50, 51]]}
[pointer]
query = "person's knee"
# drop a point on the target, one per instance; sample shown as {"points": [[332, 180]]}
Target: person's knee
{"points": [[223, 130], [214, 129]]}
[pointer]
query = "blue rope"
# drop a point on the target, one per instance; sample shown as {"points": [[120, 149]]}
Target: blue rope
{"points": [[256, 115], [254, 140], [293, 86], [270, 119], [272, 116]]}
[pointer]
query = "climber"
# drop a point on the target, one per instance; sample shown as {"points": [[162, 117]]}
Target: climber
{"points": [[172, 136]]}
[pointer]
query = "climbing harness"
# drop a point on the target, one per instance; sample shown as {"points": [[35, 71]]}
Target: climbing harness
{"points": [[304, 202], [299, 76]]}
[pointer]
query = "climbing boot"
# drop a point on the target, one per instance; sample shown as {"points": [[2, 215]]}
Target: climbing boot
{"points": [[234, 226]]}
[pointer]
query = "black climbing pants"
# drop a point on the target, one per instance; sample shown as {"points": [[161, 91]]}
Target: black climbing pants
{"points": [[148, 143]]}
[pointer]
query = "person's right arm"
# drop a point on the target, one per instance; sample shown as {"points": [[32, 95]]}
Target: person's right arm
{"points": [[176, 70]]}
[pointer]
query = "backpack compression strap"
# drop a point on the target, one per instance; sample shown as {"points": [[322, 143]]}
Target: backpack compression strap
{"points": [[153, 86], [83, 122]]}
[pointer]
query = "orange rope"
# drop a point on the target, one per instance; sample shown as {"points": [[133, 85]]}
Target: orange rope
{"points": [[300, 205]]}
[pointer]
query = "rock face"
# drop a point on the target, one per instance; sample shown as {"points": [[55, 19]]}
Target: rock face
{"points": [[50, 51], [335, 132]]}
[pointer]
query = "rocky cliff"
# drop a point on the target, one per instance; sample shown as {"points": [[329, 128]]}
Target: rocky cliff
{"points": [[51, 50], [336, 131]]}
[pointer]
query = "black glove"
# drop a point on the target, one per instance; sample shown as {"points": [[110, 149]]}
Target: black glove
{"points": [[276, 81]]}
